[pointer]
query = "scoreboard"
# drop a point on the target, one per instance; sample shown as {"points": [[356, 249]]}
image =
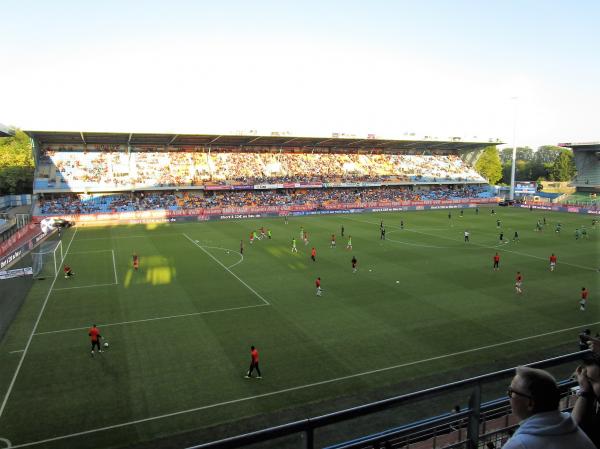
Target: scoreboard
{"points": [[526, 188]]}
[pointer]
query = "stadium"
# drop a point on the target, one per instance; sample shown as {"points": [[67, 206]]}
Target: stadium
{"points": [[186, 250]]}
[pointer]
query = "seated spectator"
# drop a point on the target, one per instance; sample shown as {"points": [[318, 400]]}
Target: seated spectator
{"points": [[534, 398]]}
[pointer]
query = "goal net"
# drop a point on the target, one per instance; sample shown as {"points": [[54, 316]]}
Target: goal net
{"points": [[47, 259]]}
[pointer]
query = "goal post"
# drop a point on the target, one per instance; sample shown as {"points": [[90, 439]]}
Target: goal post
{"points": [[47, 259]]}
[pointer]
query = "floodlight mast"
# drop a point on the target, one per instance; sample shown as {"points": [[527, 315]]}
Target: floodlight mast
{"points": [[514, 152]]}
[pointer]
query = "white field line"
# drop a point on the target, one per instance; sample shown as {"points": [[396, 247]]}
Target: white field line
{"points": [[84, 286], [114, 266], [227, 269], [93, 251], [7, 442], [237, 263], [229, 250], [124, 237], [15, 352], [417, 244], [183, 315], [498, 247], [14, 378], [299, 387]]}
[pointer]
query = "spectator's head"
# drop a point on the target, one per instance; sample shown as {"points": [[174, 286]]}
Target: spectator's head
{"points": [[592, 372], [532, 391]]}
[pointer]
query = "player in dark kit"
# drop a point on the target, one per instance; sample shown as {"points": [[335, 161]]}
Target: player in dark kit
{"points": [[354, 262], [95, 337], [253, 364], [241, 247]]}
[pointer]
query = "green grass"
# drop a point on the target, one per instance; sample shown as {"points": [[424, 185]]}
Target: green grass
{"points": [[180, 328]]}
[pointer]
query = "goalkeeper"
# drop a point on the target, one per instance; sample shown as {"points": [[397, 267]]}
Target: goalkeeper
{"points": [[68, 271]]}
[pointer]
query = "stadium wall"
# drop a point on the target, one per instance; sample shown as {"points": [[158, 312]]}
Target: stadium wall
{"points": [[238, 213], [228, 213]]}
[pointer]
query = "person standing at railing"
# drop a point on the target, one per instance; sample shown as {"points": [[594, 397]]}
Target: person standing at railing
{"points": [[586, 412], [534, 399]]}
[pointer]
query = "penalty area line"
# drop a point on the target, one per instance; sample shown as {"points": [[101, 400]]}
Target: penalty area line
{"points": [[85, 286], [298, 387], [37, 322], [183, 315], [227, 269]]}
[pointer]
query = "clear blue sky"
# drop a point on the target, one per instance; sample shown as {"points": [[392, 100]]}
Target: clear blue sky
{"points": [[311, 68]]}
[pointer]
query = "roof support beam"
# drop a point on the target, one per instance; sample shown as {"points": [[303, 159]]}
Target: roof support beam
{"points": [[173, 139], [215, 139], [288, 141], [82, 138]]}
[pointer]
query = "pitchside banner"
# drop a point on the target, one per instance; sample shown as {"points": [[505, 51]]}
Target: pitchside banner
{"points": [[199, 214], [28, 271]]}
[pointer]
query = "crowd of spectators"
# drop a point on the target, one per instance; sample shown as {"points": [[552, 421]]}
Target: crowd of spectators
{"points": [[50, 204], [146, 169]]}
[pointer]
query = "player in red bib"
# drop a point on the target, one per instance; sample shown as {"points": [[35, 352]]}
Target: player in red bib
{"points": [[95, 337], [496, 262], [313, 254], [318, 285], [136, 262], [252, 237], [584, 297], [253, 364], [519, 282], [332, 241], [552, 262], [68, 272]]}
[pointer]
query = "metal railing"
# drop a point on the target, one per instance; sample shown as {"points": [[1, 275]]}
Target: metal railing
{"points": [[472, 414]]}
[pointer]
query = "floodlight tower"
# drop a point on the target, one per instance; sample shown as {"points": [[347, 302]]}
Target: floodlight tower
{"points": [[514, 152]]}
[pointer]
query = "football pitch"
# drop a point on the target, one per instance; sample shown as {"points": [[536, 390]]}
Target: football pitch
{"points": [[423, 303]]}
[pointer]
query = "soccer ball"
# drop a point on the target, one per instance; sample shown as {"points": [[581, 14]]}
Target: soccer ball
{"points": [[397, 282], [105, 344]]}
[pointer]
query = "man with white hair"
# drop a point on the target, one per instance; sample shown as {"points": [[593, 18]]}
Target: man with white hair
{"points": [[534, 398]]}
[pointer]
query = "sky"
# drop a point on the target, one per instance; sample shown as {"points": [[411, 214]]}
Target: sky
{"points": [[477, 70]]}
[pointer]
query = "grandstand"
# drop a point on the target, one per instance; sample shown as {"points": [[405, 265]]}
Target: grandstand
{"points": [[83, 173], [587, 162]]}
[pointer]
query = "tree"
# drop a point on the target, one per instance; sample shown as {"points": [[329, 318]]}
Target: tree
{"points": [[523, 154], [16, 164], [563, 168], [488, 165], [547, 154]]}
